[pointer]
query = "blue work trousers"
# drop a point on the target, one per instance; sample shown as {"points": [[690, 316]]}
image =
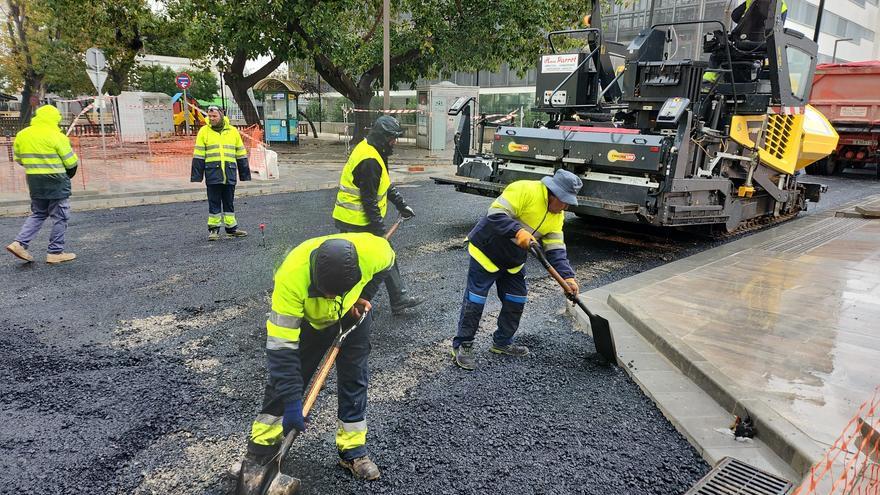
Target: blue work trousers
{"points": [[41, 209], [512, 292]]}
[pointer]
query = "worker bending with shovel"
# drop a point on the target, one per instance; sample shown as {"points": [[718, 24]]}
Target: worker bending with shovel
{"points": [[365, 189], [323, 285], [527, 211]]}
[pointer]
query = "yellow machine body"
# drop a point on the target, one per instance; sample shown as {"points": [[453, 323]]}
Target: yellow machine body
{"points": [[791, 142]]}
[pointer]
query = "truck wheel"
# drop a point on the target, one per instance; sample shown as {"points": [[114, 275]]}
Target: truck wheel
{"points": [[814, 168], [829, 166]]}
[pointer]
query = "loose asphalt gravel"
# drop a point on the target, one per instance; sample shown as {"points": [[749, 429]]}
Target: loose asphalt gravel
{"points": [[138, 367]]}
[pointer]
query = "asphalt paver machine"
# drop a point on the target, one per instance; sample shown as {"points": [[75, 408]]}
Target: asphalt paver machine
{"points": [[682, 143]]}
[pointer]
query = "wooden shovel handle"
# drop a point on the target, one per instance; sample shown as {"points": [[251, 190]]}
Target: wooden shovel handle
{"points": [[320, 377], [539, 254], [394, 227]]}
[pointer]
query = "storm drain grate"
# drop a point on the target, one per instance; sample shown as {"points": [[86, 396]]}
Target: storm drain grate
{"points": [[734, 477]]}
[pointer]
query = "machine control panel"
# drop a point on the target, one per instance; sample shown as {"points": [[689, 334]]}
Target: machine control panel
{"points": [[672, 110], [560, 98]]}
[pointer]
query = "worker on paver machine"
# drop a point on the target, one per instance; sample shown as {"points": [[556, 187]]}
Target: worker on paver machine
{"points": [[221, 159], [753, 24], [364, 191], [526, 212], [323, 283], [49, 162]]}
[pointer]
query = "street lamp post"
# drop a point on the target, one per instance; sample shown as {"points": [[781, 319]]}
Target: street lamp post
{"points": [[834, 54], [386, 53]]}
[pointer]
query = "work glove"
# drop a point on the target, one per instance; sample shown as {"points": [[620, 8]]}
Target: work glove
{"points": [[407, 212], [293, 417], [573, 286], [524, 238]]}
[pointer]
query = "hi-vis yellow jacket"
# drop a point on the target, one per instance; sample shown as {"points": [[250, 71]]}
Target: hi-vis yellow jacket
{"points": [[218, 155], [45, 153], [349, 206]]}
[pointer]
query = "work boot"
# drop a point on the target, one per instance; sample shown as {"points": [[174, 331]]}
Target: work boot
{"points": [[213, 234], [362, 468], [19, 251], [237, 233], [404, 303], [510, 349], [463, 357], [397, 293], [56, 258]]}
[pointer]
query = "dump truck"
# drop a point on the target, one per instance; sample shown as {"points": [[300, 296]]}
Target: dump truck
{"points": [[849, 97], [660, 142]]}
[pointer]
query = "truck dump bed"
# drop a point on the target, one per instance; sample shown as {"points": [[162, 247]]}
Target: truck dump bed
{"points": [[848, 93]]}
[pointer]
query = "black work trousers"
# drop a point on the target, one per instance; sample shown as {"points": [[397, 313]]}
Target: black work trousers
{"points": [[221, 199], [352, 378]]}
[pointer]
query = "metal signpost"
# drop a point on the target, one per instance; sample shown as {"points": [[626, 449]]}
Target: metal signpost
{"points": [[184, 81], [96, 62]]}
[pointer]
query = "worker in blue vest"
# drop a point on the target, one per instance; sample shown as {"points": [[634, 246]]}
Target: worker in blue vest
{"points": [[365, 189], [528, 211]]}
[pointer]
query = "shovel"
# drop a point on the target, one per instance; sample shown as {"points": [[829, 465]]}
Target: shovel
{"points": [[267, 479], [395, 226], [602, 337]]}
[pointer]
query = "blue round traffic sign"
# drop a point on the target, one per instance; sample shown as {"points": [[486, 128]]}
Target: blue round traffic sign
{"points": [[183, 80]]}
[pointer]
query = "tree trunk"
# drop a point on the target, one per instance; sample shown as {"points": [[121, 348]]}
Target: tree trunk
{"points": [[31, 94], [238, 86], [362, 120]]}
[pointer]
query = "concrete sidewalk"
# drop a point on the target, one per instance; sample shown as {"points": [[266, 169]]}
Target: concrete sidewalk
{"points": [[316, 164], [781, 324]]}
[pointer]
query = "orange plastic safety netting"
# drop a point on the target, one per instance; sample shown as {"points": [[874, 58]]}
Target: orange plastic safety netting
{"points": [[112, 164], [852, 464]]}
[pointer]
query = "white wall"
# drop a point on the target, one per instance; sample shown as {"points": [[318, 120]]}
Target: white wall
{"points": [[861, 49]]}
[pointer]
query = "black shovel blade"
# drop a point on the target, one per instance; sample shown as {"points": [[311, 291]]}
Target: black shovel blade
{"points": [[254, 478], [602, 338]]}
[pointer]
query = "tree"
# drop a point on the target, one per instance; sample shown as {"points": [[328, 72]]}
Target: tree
{"points": [[344, 39], [240, 31], [161, 79], [43, 43]]}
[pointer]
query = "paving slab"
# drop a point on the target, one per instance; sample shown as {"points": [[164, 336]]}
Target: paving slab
{"points": [[781, 324]]}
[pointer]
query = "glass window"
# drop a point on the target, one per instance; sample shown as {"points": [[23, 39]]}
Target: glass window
{"points": [[274, 106], [291, 106], [799, 64]]}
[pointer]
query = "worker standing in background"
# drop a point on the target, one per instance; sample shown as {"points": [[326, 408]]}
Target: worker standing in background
{"points": [[364, 191], [221, 159], [323, 283], [49, 163], [527, 211]]}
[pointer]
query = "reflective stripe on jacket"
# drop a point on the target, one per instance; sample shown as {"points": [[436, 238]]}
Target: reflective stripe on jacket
{"points": [[522, 204], [45, 153], [220, 156], [295, 301], [349, 207]]}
